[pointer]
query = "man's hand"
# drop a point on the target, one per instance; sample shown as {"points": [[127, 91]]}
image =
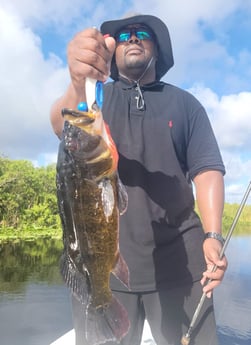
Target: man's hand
{"points": [[212, 249], [89, 55]]}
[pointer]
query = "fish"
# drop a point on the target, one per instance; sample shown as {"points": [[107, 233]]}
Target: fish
{"points": [[91, 199]]}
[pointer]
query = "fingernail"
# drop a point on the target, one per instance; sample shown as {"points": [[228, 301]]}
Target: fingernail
{"points": [[106, 35]]}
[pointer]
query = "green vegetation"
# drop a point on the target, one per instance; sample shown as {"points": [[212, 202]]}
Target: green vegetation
{"points": [[28, 203], [243, 226]]}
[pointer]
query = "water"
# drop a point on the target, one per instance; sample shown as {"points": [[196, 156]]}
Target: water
{"points": [[35, 307], [233, 297], [34, 303]]}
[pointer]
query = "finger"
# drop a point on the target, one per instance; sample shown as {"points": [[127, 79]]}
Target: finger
{"points": [[208, 288], [209, 294], [222, 263], [217, 275], [87, 53], [86, 61]]}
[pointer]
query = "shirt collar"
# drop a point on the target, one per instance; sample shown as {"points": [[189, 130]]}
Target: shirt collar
{"points": [[125, 84]]}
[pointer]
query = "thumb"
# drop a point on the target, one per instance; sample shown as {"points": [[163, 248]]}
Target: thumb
{"points": [[111, 45]]}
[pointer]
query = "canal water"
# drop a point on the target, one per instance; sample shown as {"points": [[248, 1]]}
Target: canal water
{"points": [[35, 306]]}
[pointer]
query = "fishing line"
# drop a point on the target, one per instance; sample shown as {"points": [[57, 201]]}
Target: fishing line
{"points": [[185, 340]]}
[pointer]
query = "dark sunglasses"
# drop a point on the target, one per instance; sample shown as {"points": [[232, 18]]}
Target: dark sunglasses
{"points": [[141, 33]]}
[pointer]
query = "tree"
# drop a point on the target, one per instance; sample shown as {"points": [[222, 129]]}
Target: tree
{"points": [[27, 195]]}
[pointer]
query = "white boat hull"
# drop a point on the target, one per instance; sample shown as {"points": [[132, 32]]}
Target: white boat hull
{"points": [[69, 337]]}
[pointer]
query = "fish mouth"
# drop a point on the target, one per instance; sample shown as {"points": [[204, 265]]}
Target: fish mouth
{"points": [[78, 118]]}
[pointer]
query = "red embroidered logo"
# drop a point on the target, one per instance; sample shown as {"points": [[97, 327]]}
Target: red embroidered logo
{"points": [[170, 123]]}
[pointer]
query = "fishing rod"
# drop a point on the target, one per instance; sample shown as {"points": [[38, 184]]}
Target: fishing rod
{"points": [[185, 340]]}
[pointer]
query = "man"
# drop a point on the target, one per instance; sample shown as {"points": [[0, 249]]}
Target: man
{"points": [[165, 141]]}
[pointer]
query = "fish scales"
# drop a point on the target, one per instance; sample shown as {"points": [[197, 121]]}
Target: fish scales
{"points": [[90, 198]]}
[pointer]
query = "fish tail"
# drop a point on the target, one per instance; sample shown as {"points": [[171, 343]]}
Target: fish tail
{"points": [[108, 323]]}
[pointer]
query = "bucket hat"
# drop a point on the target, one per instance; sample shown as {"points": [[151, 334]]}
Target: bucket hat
{"points": [[159, 28]]}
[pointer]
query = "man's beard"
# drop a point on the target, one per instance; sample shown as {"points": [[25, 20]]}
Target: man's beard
{"points": [[137, 64], [136, 67]]}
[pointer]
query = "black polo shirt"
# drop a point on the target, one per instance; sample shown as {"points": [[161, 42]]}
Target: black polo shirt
{"points": [[161, 149]]}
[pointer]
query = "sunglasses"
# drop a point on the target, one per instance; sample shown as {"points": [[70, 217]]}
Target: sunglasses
{"points": [[141, 34]]}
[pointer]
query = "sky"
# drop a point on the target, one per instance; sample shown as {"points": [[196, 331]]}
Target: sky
{"points": [[212, 53]]}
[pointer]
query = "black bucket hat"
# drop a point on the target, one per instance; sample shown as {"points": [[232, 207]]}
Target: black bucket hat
{"points": [[165, 54]]}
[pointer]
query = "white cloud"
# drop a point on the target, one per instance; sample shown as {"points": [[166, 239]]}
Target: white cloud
{"points": [[46, 11], [230, 117], [28, 84], [63, 16]]}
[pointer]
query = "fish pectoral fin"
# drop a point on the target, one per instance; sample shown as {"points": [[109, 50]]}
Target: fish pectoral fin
{"points": [[109, 323], [107, 196], [121, 271], [122, 197]]}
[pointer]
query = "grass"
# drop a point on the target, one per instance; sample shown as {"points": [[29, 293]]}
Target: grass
{"points": [[243, 226], [29, 234]]}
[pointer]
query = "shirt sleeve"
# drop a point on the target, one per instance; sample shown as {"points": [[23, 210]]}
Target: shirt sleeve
{"points": [[202, 148]]}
